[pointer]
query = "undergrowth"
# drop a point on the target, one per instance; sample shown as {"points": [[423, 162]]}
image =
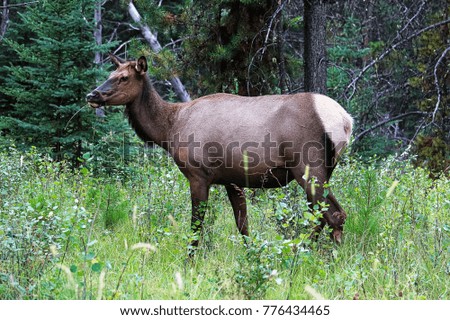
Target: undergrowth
{"points": [[72, 234]]}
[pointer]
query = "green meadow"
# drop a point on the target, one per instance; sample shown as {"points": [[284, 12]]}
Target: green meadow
{"points": [[79, 234]]}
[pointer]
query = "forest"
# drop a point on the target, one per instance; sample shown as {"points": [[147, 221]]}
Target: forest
{"points": [[89, 211]]}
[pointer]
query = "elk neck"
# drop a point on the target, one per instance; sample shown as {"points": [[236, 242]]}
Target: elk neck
{"points": [[151, 117]]}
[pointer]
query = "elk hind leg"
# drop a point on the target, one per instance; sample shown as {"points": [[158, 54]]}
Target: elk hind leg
{"points": [[237, 199]]}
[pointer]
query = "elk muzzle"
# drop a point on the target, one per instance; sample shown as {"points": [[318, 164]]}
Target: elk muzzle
{"points": [[97, 98]]}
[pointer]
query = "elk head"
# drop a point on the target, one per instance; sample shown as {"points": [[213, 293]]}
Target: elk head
{"points": [[123, 85]]}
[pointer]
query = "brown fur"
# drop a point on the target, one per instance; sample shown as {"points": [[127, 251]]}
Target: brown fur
{"points": [[235, 141]]}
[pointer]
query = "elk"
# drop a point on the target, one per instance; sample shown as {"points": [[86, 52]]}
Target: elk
{"points": [[236, 141]]}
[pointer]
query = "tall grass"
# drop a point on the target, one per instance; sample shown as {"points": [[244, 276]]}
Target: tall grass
{"points": [[69, 234]]}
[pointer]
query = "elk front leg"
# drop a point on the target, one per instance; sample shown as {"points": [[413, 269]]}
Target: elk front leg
{"points": [[335, 216], [199, 198]]}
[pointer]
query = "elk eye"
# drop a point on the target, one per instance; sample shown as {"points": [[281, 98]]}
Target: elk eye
{"points": [[123, 79]]}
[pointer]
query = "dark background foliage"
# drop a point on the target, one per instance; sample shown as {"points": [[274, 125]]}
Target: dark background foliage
{"points": [[385, 61]]}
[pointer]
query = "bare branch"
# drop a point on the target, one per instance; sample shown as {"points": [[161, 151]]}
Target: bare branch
{"points": [[381, 123], [18, 4], [272, 19], [261, 51], [121, 46], [114, 33], [422, 5], [389, 50], [174, 42], [436, 82]]}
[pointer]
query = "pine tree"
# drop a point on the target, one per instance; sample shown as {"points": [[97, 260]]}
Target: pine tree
{"points": [[49, 78], [234, 49]]}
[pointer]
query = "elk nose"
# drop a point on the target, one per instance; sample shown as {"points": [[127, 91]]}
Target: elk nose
{"points": [[93, 95]]}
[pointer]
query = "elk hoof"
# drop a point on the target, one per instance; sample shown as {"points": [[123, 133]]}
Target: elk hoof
{"points": [[336, 235]]}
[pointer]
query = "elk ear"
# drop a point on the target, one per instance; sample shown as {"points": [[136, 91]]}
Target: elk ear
{"points": [[141, 65], [116, 60]]}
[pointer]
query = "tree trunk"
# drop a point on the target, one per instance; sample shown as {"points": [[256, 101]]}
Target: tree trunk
{"points": [[5, 19], [368, 30], [281, 60], [99, 112], [98, 31], [315, 55], [151, 39]]}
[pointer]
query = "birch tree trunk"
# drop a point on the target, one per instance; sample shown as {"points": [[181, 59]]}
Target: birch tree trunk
{"points": [[98, 32], [5, 19], [151, 39]]}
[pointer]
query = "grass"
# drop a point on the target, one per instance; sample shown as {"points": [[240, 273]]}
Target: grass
{"points": [[74, 234]]}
